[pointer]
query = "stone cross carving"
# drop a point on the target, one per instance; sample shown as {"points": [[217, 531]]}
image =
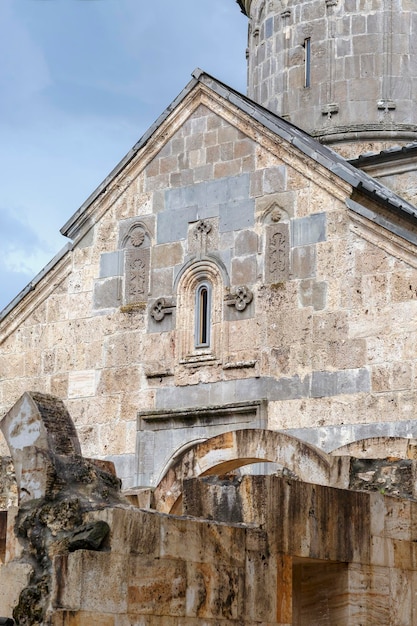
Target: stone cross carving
{"points": [[240, 298], [277, 253], [137, 261], [160, 308], [201, 234], [137, 276], [203, 227]]}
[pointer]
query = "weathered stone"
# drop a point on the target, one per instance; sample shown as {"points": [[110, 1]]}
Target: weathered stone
{"points": [[325, 348], [88, 537], [308, 230], [56, 489], [13, 578], [8, 489], [236, 214], [107, 293], [304, 263], [277, 265], [136, 275], [110, 264]]}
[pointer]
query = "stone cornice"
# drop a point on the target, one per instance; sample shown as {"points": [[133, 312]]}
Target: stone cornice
{"points": [[245, 6]]}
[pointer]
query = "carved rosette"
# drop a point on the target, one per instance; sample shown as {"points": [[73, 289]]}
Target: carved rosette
{"points": [[137, 237]]}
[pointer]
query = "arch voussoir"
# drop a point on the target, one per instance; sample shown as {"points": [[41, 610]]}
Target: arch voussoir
{"points": [[235, 449]]}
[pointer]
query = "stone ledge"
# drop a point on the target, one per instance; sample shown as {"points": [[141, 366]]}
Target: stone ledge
{"points": [[156, 420]]}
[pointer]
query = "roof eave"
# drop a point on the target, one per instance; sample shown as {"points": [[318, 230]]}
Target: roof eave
{"points": [[72, 226], [322, 154], [242, 7], [32, 285]]}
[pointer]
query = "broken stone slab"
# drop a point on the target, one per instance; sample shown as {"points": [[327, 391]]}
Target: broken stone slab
{"points": [[37, 425], [41, 420], [14, 577], [88, 537], [57, 490]]}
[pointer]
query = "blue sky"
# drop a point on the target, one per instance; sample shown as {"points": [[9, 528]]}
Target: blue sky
{"points": [[80, 82]]}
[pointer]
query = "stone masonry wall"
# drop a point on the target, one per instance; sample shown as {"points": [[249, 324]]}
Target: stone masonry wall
{"points": [[322, 556], [362, 66], [314, 308], [154, 581], [352, 554]]}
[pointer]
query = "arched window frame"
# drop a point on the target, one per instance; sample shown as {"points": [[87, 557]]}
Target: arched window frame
{"points": [[202, 315], [196, 274]]}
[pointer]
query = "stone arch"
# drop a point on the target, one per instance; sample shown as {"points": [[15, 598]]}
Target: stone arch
{"points": [[137, 236], [380, 447], [173, 457], [202, 271], [191, 264], [235, 449]]}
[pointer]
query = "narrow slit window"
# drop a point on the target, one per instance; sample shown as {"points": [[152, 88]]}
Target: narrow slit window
{"points": [[307, 62], [202, 310]]}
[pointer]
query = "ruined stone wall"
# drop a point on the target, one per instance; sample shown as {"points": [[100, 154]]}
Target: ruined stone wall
{"points": [[314, 308], [251, 550], [8, 489], [322, 556], [346, 557], [154, 580]]}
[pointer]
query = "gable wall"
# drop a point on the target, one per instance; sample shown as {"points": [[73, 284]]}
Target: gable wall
{"points": [[328, 337]]}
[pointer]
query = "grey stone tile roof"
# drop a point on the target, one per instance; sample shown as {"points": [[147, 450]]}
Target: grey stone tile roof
{"points": [[313, 148], [395, 153], [284, 129]]}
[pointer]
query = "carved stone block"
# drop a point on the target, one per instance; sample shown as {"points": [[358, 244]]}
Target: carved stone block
{"points": [[203, 236], [277, 253], [136, 275]]}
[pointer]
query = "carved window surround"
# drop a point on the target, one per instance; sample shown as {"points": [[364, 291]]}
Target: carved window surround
{"points": [[237, 365], [203, 272], [203, 315]]}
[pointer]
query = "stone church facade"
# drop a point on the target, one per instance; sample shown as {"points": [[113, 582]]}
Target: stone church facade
{"points": [[235, 273], [311, 271]]}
